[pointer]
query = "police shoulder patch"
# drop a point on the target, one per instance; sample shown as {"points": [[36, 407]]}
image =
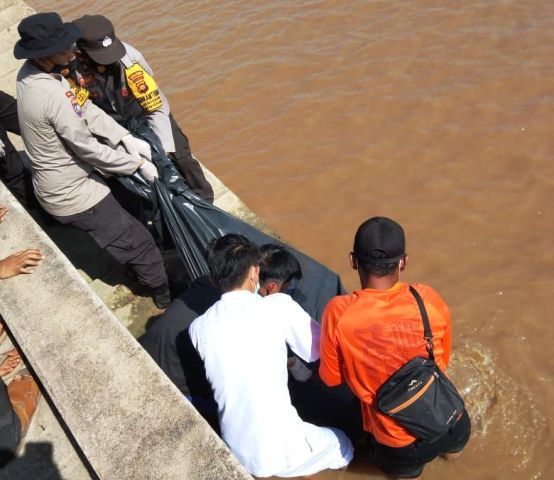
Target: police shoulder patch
{"points": [[74, 103]]}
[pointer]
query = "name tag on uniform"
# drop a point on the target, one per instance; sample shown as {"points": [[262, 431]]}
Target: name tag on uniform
{"points": [[81, 95]]}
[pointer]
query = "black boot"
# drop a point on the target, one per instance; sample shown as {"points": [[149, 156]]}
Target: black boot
{"points": [[161, 296]]}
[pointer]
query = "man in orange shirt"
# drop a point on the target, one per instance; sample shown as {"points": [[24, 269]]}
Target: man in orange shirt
{"points": [[368, 335]]}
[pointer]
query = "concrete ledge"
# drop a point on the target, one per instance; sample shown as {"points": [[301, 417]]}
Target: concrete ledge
{"points": [[125, 415], [47, 452], [129, 420], [12, 11]]}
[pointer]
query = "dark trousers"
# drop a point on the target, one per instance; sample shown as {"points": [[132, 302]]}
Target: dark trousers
{"points": [[188, 166], [123, 237], [12, 173], [326, 406], [10, 426], [408, 462], [168, 343]]}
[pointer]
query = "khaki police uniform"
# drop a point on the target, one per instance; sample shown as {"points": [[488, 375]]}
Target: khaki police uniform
{"points": [[115, 93], [61, 137]]}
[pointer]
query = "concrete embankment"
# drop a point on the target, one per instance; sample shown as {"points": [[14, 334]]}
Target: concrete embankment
{"points": [[112, 413], [127, 418]]}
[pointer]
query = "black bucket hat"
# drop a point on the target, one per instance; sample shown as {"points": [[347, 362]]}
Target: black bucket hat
{"points": [[44, 34], [98, 39]]}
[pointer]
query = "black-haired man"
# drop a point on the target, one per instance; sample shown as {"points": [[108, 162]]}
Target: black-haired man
{"points": [[243, 340], [278, 269], [167, 340], [368, 335]]}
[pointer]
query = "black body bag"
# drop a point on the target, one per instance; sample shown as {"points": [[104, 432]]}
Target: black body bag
{"points": [[419, 396]]}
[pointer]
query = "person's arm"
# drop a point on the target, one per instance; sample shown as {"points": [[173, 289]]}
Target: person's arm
{"points": [[8, 113], [447, 343], [159, 120], [69, 123], [330, 367], [440, 318], [161, 125], [20, 262], [443, 349], [301, 331], [102, 125], [193, 367]]}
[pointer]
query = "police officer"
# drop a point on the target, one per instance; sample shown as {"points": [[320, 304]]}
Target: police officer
{"points": [[121, 82], [61, 130]]}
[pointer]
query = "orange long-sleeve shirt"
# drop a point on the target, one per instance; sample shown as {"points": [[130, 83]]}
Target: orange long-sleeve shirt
{"points": [[368, 335]]}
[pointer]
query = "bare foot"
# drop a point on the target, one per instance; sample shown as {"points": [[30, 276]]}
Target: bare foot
{"points": [[10, 362]]}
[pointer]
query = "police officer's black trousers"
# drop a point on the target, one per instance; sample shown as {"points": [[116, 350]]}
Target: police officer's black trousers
{"points": [[123, 237], [188, 166]]}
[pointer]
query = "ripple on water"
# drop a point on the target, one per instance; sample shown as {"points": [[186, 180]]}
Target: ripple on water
{"points": [[503, 412]]}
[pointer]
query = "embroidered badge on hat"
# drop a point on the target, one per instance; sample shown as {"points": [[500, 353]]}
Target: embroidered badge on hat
{"points": [[107, 41]]}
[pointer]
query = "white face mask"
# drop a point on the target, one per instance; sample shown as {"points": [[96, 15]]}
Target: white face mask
{"points": [[257, 288]]}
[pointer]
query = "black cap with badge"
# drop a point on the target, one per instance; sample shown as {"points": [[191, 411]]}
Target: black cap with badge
{"points": [[98, 39], [379, 241]]}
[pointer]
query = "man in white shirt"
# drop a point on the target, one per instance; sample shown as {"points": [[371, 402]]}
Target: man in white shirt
{"points": [[242, 340]]}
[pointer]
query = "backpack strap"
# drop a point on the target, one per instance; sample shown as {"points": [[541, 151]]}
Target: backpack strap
{"points": [[427, 333]]}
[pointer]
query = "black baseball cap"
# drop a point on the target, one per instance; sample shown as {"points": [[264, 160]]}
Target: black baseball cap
{"points": [[98, 39], [44, 34], [379, 241]]}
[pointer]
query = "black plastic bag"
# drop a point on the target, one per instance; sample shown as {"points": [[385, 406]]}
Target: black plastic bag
{"points": [[193, 223]]}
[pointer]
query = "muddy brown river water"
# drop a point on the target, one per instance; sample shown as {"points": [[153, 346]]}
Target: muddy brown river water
{"points": [[319, 114]]}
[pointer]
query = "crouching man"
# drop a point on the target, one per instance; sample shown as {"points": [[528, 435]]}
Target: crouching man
{"points": [[242, 340], [369, 334]]}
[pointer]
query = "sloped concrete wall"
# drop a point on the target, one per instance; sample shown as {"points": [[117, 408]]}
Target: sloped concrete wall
{"points": [[11, 12], [129, 420], [47, 453]]}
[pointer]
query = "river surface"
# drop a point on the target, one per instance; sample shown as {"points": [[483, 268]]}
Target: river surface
{"points": [[320, 114]]}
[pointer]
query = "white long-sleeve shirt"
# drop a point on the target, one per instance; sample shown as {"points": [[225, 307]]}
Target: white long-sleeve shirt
{"points": [[242, 340]]}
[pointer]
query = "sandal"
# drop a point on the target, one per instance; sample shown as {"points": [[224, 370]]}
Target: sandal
{"points": [[24, 394]]}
